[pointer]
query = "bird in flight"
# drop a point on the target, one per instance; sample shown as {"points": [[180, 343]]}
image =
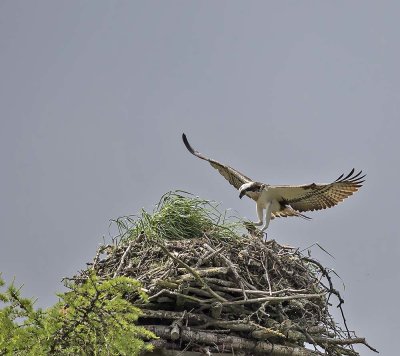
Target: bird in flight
{"points": [[274, 201]]}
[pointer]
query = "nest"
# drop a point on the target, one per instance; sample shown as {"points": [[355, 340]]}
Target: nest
{"points": [[219, 293]]}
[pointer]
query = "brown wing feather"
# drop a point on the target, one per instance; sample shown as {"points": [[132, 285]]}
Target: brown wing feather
{"points": [[320, 196], [233, 176]]}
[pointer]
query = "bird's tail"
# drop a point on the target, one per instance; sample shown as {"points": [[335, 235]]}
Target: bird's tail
{"points": [[302, 216], [289, 211]]}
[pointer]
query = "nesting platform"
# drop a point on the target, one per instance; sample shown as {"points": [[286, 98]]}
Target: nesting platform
{"points": [[211, 290]]}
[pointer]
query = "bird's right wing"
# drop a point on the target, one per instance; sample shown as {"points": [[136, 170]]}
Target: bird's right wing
{"points": [[233, 176]]}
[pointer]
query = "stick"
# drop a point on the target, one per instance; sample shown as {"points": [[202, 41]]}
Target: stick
{"points": [[276, 299], [121, 263], [192, 271], [349, 341], [232, 268], [222, 342]]}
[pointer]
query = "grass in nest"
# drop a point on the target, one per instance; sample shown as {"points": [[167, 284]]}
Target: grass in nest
{"points": [[180, 215]]}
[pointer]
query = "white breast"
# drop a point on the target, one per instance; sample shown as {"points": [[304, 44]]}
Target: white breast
{"points": [[267, 196]]}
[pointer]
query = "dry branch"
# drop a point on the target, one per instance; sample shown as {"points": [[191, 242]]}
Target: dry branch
{"points": [[227, 342]]}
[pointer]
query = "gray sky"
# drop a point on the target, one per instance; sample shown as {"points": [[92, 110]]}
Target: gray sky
{"points": [[94, 96]]}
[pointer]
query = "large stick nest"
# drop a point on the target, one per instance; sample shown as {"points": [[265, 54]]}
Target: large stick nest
{"points": [[213, 289]]}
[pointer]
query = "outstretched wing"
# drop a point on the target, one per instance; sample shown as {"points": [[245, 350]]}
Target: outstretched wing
{"points": [[233, 176], [317, 196]]}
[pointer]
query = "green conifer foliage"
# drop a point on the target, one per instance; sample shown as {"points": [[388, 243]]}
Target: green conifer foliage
{"points": [[93, 318]]}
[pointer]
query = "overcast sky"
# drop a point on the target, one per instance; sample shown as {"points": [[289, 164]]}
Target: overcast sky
{"points": [[94, 97]]}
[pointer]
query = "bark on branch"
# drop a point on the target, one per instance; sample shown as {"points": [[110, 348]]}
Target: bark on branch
{"points": [[227, 342]]}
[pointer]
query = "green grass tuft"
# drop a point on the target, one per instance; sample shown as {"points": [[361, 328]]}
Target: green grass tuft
{"points": [[180, 215]]}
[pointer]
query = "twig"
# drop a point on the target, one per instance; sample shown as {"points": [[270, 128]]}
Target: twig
{"points": [[266, 274], [331, 289], [349, 341], [122, 261], [276, 299], [192, 271], [97, 257], [232, 268], [204, 259]]}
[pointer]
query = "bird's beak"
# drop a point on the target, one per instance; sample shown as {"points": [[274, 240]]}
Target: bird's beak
{"points": [[241, 194]]}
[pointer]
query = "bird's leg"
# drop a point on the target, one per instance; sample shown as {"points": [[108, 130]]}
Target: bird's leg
{"points": [[268, 210], [260, 216]]}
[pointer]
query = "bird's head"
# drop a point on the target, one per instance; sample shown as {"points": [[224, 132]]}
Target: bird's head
{"points": [[250, 187]]}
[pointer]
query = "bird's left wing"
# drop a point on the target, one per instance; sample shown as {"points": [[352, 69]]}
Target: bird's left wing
{"points": [[317, 196], [233, 176]]}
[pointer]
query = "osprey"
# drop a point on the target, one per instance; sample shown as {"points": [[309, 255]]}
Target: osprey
{"points": [[286, 200]]}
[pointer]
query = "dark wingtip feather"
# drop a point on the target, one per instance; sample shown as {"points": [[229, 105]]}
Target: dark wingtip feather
{"points": [[187, 144], [356, 179], [357, 175], [339, 178], [349, 175], [191, 149]]}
